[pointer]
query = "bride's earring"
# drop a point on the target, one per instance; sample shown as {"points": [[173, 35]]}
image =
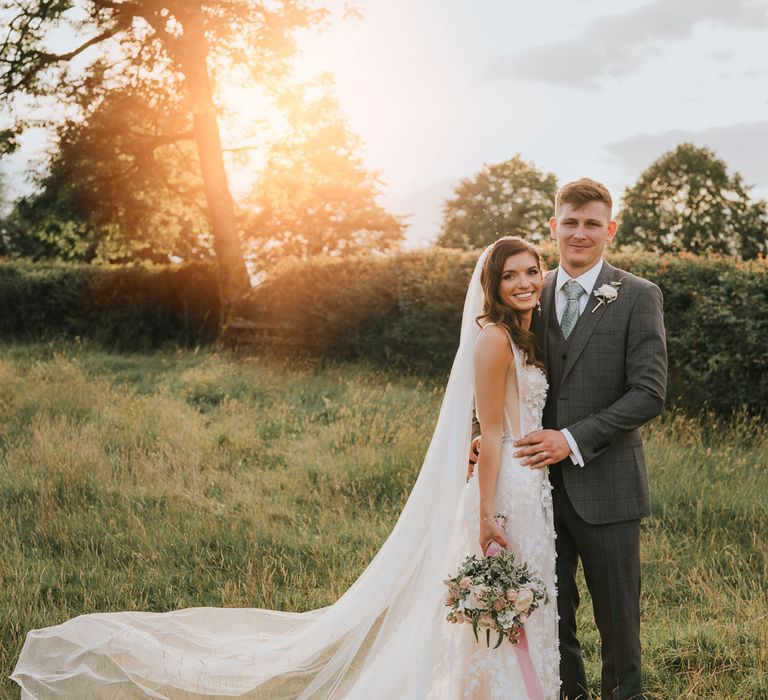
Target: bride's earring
{"points": [[538, 308]]}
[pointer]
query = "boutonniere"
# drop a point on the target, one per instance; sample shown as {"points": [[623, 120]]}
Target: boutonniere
{"points": [[606, 293]]}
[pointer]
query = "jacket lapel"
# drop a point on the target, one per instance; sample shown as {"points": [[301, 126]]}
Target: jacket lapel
{"points": [[589, 319]]}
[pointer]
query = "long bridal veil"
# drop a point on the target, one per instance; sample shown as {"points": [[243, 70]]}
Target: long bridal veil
{"points": [[379, 640]]}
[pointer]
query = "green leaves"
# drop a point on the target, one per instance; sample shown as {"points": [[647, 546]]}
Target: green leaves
{"points": [[714, 308], [314, 195], [686, 201], [513, 197], [403, 312], [9, 141]]}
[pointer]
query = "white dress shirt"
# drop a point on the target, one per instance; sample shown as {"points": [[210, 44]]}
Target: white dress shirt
{"points": [[587, 282]]}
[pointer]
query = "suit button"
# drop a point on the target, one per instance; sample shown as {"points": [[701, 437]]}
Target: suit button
{"points": [[563, 357], [563, 398]]}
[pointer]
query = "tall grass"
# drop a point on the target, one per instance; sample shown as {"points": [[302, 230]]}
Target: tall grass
{"points": [[160, 481]]}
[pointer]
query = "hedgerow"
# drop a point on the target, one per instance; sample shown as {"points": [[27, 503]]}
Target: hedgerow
{"points": [[402, 311]]}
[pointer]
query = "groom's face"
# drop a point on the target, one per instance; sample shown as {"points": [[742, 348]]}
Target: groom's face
{"points": [[582, 235]]}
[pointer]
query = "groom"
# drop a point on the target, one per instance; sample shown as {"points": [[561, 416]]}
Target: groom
{"points": [[601, 336]]}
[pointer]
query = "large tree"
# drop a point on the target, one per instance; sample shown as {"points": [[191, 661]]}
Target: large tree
{"points": [[110, 193], [169, 47], [687, 201], [513, 197], [314, 195]]}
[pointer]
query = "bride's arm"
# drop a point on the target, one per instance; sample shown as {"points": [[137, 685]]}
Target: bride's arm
{"points": [[493, 357]]}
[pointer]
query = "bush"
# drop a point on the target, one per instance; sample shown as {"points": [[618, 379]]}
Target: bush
{"points": [[717, 331], [126, 308], [401, 311], [405, 311]]}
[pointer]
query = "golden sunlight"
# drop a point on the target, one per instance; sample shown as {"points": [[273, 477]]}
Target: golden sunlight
{"points": [[250, 121]]}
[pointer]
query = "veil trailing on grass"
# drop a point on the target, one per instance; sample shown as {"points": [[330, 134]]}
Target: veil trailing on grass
{"points": [[379, 640]]}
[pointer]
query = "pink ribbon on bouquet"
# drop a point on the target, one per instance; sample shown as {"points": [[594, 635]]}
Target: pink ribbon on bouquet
{"points": [[531, 680]]}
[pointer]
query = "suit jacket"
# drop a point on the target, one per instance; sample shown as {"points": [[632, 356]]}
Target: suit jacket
{"points": [[611, 379]]}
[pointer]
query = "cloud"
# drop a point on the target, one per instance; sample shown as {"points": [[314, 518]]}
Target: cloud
{"points": [[721, 56], [739, 145], [615, 44]]}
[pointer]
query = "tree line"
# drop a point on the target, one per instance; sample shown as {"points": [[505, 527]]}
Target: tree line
{"points": [[685, 201], [137, 169]]}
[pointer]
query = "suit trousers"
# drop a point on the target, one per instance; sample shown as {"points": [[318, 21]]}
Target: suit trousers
{"points": [[610, 556]]}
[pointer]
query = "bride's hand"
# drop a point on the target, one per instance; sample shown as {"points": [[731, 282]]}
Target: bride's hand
{"points": [[491, 530]]}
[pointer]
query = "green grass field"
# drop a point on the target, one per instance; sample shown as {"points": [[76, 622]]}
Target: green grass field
{"points": [[169, 480]]}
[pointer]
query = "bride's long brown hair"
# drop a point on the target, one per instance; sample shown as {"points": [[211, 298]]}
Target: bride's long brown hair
{"points": [[496, 311]]}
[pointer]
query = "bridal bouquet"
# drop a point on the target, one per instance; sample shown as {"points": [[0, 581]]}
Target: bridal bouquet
{"points": [[494, 593]]}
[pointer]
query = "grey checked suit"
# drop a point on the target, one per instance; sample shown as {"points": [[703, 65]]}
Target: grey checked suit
{"points": [[606, 380]]}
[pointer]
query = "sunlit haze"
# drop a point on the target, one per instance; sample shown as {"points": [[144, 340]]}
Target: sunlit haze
{"points": [[438, 88], [597, 88]]}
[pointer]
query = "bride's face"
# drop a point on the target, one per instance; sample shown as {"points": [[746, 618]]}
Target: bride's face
{"points": [[521, 282]]}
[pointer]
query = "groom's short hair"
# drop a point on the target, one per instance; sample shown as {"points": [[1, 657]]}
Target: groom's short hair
{"points": [[581, 192]]}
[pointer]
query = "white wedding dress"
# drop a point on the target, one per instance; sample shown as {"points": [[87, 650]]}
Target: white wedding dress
{"points": [[385, 638], [524, 496]]}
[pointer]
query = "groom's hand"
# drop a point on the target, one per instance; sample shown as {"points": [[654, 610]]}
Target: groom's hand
{"points": [[474, 455], [542, 448]]}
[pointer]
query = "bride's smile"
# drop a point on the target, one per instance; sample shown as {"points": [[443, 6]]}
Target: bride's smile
{"points": [[521, 282]]}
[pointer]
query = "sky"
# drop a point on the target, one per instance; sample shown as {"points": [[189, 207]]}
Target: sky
{"points": [[597, 88]]}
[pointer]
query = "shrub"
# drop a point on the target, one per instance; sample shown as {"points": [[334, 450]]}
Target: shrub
{"points": [[402, 311], [717, 331], [405, 311], [125, 308]]}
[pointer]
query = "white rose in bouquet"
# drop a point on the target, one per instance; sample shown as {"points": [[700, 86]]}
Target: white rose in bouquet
{"points": [[477, 598], [524, 600], [506, 619]]}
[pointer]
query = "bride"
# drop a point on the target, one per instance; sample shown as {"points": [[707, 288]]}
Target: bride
{"points": [[386, 637]]}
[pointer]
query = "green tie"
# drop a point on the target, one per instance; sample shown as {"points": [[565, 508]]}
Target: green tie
{"points": [[572, 291]]}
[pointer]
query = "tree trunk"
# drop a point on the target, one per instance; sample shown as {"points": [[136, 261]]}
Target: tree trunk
{"points": [[233, 276]]}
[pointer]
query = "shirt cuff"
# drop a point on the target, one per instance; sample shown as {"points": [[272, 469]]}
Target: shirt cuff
{"points": [[575, 455]]}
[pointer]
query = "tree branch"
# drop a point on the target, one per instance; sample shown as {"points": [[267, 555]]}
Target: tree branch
{"points": [[234, 149], [168, 40], [58, 57]]}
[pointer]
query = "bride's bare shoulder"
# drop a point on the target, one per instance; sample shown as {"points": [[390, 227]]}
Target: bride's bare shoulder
{"points": [[492, 343]]}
